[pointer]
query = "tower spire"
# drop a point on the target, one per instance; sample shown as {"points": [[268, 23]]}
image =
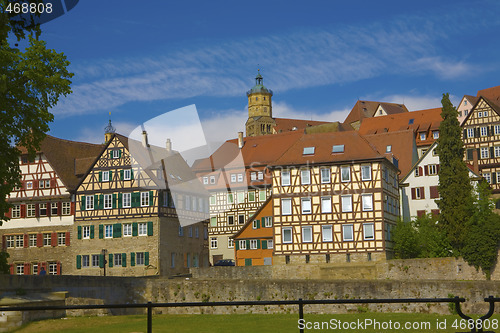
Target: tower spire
{"points": [[109, 130]]}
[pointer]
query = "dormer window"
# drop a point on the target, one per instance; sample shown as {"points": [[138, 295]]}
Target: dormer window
{"points": [[388, 149], [435, 134], [308, 151], [422, 136], [410, 122], [338, 149]]}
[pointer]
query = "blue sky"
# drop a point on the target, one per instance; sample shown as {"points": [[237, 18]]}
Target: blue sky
{"points": [[139, 60]]}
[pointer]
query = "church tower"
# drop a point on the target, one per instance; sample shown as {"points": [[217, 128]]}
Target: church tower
{"points": [[260, 110]]}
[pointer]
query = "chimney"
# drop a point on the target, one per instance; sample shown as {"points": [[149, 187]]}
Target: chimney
{"points": [[145, 143], [168, 146], [240, 140]]}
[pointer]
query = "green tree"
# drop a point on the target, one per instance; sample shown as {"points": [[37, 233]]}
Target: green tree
{"points": [[405, 240], [456, 200], [4, 266], [483, 232], [31, 82]]}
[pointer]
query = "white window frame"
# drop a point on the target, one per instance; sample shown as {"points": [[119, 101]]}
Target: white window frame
{"points": [[29, 185], [287, 235], [346, 201], [54, 209], [108, 231], [326, 205], [369, 172], [242, 244], [42, 209], [253, 244], [230, 243], [105, 176], [367, 202], [268, 221], [418, 195], [61, 238], [32, 240], [368, 231], [327, 233], [127, 229], [108, 201], [144, 199], [496, 129], [139, 258], [262, 195], [233, 178], [285, 178], [260, 175], [470, 132], [86, 232], [116, 153], [483, 131], [142, 229], [253, 176], [213, 242], [496, 150], [325, 175], [47, 239], [20, 241], [127, 200], [212, 180], [205, 180], [240, 197], [117, 260], [30, 210], [432, 169], [95, 260], [89, 205], [11, 241], [240, 178], [85, 260], [127, 174], [251, 196], [307, 234], [346, 229], [342, 169], [66, 208], [16, 211], [286, 206], [435, 135], [254, 224], [485, 152], [487, 177], [306, 205], [270, 244], [423, 136], [305, 177]]}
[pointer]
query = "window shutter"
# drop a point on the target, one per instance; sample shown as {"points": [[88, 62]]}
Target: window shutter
{"points": [[413, 195], [492, 152], [258, 243], [160, 198], [101, 231], [92, 231], [124, 260], [27, 270], [117, 230], [110, 260], [68, 238], [101, 201], [79, 232], [478, 153], [248, 244], [422, 192], [59, 208], [120, 153], [49, 208], [150, 228], [39, 240], [114, 201], [135, 230], [470, 155], [120, 200], [236, 244], [53, 239], [132, 174], [476, 132], [11, 269], [101, 261], [110, 176], [465, 134], [26, 240], [146, 258], [493, 178], [132, 259], [136, 199], [37, 210], [437, 168], [52, 183], [434, 192], [151, 198], [23, 211], [258, 224], [78, 262], [4, 242], [58, 268], [426, 170], [9, 213], [100, 176], [488, 133], [121, 174], [110, 154], [264, 244]]}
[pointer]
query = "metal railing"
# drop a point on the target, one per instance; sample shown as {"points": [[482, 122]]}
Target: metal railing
{"points": [[149, 306]]}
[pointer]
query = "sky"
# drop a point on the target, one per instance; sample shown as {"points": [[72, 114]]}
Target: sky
{"points": [[140, 59]]}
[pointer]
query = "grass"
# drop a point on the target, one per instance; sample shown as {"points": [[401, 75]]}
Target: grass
{"points": [[242, 323]]}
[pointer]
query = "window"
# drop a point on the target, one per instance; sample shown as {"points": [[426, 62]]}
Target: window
{"points": [[127, 174], [10, 241], [29, 185], [107, 201], [253, 176], [213, 242], [422, 136], [196, 232], [242, 245], [127, 200], [16, 211], [127, 229], [230, 198], [285, 178], [497, 129], [470, 132], [262, 195], [241, 197], [432, 169], [190, 231], [90, 202], [286, 206], [19, 241], [326, 204], [241, 219], [345, 174], [498, 182], [388, 149], [307, 234], [61, 238], [367, 200], [326, 232], [484, 152], [116, 153], [233, 178], [181, 231], [305, 177], [47, 239], [34, 269], [253, 244], [308, 151], [230, 220], [240, 178], [306, 205], [230, 243], [42, 208], [287, 234], [419, 193], [268, 221], [485, 113], [338, 149], [30, 208], [251, 196], [213, 221], [484, 131], [20, 269], [205, 180], [212, 200], [86, 232], [108, 231], [105, 176], [368, 231], [255, 224], [95, 260], [497, 151], [144, 199], [139, 258], [366, 172], [32, 240], [346, 203], [325, 175], [270, 244], [85, 261], [142, 229], [347, 232], [260, 175], [212, 179], [117, 259], [487, 177], [66, 208], [41, 183]]}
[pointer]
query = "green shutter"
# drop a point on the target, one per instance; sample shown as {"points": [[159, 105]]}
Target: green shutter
{"points": [[110, 176], [124, 260], [100, 176], [135, 230], [132, 259], [96, 201], [111, 154], [114, 200], [248, 262], [136, 199], [82, 205], [121, 174], [151, 198], [146, 258], [258, 243], [79, 232], [101, 201], [78, 262], [150, 228], [92, 232], [264, 245], [110, 260], [101, 260], [258, 224], [120, 153], [132, 174], [101, 231], [263, 222], [117, 230], [237, 244], [120, 200], [248, 244], [160, 198]]}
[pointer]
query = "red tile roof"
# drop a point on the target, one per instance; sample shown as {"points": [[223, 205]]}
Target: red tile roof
{"points": [[287, 124], [492, 94], [366, 109]]}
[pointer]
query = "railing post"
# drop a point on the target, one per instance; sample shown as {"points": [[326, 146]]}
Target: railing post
{"points": [[301, 313], [150, 318]]}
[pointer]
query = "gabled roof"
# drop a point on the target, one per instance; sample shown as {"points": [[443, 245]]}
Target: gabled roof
{"points": [[493, 106], [287, 124], [355, 148], [68, 157], [366, 109], [256, 150], [472, 99], [493, 94]]}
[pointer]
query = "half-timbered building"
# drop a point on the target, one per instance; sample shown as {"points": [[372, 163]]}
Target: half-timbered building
{"points": [[38, 237], [128, 219], [335, 198]]}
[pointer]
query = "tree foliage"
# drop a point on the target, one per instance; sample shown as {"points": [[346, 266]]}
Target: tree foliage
{"points": [[4, 266], [31, 82], [455, 189]]}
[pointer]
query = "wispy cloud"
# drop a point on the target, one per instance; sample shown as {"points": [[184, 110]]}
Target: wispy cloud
{"points": [[292, 60]]}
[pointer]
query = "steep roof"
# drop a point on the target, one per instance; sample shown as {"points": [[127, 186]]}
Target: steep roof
{"points": [[366, 109], [287, 124], [493, 94], [68, 158], [355, 148], [472, 99]]}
